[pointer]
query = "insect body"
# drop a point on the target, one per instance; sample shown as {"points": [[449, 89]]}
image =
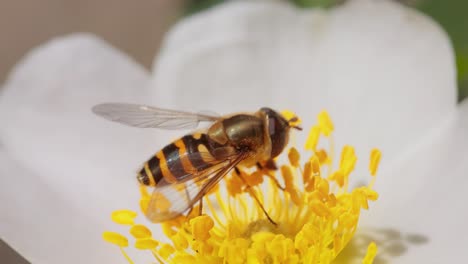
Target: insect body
{"points": [[185, 170]]}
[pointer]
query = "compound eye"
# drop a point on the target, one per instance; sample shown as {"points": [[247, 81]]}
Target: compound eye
{"points": [[278, 130]]}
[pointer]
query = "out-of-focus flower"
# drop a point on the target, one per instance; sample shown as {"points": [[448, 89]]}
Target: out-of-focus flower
{"points": [[385, 72], [312, 214]]}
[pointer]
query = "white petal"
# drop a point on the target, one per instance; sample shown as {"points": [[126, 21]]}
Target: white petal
{"points": [[43, 225], [385, 72], [230, 58], [391, 75], [426, 195], [82, 160]]}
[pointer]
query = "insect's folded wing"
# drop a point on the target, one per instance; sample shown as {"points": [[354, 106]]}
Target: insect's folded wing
{"points": [[144, 116], [172, 199]]}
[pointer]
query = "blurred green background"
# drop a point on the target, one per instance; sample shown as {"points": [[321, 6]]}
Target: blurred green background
{"points": [[451, 14]]}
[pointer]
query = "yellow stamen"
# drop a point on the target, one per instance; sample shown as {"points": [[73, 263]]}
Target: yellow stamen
{"points": [[325, 123], [179, 241], [294, 157], [290, 187], [115, 238], [201, 227], [348, 160], [254, 178], [129, 260], [374, 161], [371, 253], [165, 251], [184, 259], [281, 249], [288, 115], [312, 139], [140, 231], [234, 250], [234, 185], [322, 156], [145, 198], [124, 217], [146, 243]]}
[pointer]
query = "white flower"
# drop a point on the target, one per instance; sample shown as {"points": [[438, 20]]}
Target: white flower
{"points": [[384, 72]]}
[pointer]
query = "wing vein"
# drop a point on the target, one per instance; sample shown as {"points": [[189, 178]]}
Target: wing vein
{"points": [[150, 117]]}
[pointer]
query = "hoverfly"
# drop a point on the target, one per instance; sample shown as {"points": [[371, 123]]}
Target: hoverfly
{"points": [[186, 169]]}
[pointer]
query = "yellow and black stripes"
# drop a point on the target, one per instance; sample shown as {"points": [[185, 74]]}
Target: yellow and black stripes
{"points": [[147, 175], [178, 160], [193, 145]]}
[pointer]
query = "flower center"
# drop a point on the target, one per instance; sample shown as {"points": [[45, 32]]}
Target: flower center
{"points": [[315, 211], [261, 225]]}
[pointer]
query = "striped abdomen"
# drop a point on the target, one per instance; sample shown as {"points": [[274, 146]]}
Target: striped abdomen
{"points": [[177, 160]]}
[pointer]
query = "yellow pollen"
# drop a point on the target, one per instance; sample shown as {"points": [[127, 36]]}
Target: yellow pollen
{"points": [[145, 198], [254, 178], [115, 238], [281, 249], [166, 250], [374, 161], [325, 123], [322, 156], [338, 177], [288, 177], [308, 172], [168, 229], [140, 231], [294, 157], [201, 227], [371, 253], [124, 217], [348, 160], [146, 243], [179, 241], [288, 115], [184, 259], [144, 204], [234, 185], [312, 139]]}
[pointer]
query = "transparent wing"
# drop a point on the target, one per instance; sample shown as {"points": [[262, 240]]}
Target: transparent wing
{"points": [[150, 117], [172, 199]]}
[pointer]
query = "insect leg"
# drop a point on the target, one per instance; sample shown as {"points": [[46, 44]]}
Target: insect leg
{"points": [[276, 182], [249, 188], [270, 165], [190, 211], [200, 207]]}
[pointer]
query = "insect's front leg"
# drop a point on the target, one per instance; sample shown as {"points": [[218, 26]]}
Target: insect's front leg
{"points": [[271, 165], [200, 207], [249, 188]]}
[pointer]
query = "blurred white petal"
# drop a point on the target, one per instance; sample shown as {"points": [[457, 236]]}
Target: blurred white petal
{"points": [[385, 72], [44, 225], [425, 195], [81, 159]]}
